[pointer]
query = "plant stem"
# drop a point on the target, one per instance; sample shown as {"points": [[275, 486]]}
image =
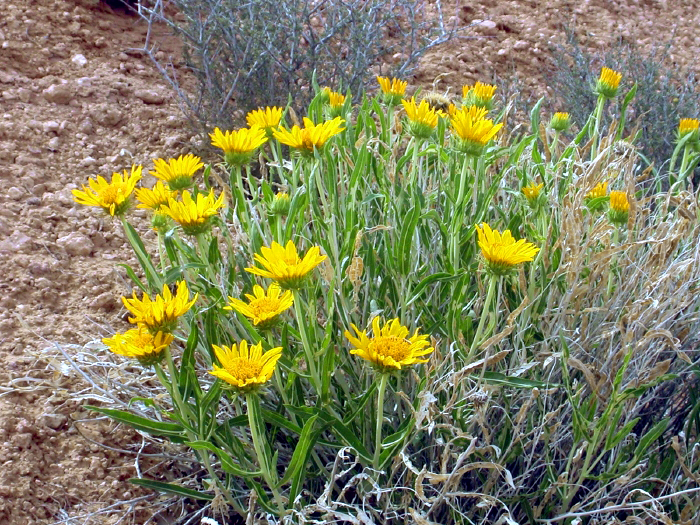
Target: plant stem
{"points": [[308, 351], [613, 262], [458, 216], [380, 420], [598, 116], [484, 315]]}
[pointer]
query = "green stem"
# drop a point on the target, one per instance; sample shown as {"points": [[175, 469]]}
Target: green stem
{"points": [[613, 263], [380, 419], [308, 351], [684, 167], [257, 433], [458, 216], [598, 116], [484, 315]]}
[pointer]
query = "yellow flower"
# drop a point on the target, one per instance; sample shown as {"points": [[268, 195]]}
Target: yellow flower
{"points": [[389, 348], [688, 126], [619, 208], [114, 197], [245, 367], [178, 173], [479, 95], [501, 251], [472, 130], [265, 118], [280, 204], [422, 119], [608, 82], [154, 198], [392, 89], [284, 265], [532, 191], [140, 344], [311, 136], [263, 308], [239, 146], [560, 121], [336, 104], [193, 216], [160, 314]]}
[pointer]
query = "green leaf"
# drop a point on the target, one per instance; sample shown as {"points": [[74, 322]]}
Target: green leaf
{"points": [[225, 458], [144, 259], [496, 378], [156, 428], [296, 471], [651, 436], [171, 488], [132, 275], [613, 441]]}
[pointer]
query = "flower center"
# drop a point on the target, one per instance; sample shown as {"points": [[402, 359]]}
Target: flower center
{"points": [[264, 306], [391, 346], [243, 368], [111, 195]]}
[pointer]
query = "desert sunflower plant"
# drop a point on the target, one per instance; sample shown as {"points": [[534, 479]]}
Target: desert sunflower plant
{"points": [[405, 316]]}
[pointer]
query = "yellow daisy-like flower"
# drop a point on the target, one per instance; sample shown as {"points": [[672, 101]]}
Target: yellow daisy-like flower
{"points": [[560, 121], [311, 136], [479, 94], [608, 82], [501, 251], [140, 344], [688, 126], [532, 191], [160, 314], [114, 197], [178, 173], [266, 118], [472, 131], [619, 208], [154, 198], [393, 89], [263, 307], [283, 264], [336, 104], [390, 346], [239, 146], [193, 216], [601, 190], [245, 367], [422, 119]]}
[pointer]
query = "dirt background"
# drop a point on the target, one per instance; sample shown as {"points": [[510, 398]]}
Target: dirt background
{"points": [[77, 100]]}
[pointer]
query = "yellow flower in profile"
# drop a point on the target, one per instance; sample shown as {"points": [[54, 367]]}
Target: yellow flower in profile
{"points": [[600, 190], [266, 118], [193, 216], [560, 121], [619, 208], [154, 198], [283, 264], [178, 173], [245, 367], [160, 314], [472, 131], [238, 146], [608, 82], [479, 94], [422, 119], [393, 89], [311, 137], [532, 191], [336, 104], [114, 197], [501, 251], [140, 344], [390, 346], [280, 204], [688, 126], [263, 307]]}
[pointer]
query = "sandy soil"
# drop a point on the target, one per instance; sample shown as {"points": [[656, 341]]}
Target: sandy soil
{"points": [[76, 100]]}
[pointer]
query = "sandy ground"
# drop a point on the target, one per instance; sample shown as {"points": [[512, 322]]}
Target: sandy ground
{"points": [[76, 100]]}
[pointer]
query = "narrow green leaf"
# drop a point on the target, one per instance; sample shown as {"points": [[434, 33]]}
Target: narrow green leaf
{"points": [[144, 259], [171, 488], [156, 428], [225, 458]]}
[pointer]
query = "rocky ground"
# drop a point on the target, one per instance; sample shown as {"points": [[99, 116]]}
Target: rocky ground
{"points": [[76, 100]]}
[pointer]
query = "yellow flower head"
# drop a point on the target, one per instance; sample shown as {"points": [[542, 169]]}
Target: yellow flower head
{"points": [[393, 89], [193, 216], [479, 94], [501, 251], [153, 198], [178, 173], [263, 307], [688, 126], [245, 367], [390, 346], [619, 208], [336, 104], [472, 131], [608, 82], [160, 314], [114, 197], [311, 136], [140, 344], [239, 146], [601, 190], [532, 193], [560, 121], [284, 265], [266, 118], [280, 204], [422, 119]]}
